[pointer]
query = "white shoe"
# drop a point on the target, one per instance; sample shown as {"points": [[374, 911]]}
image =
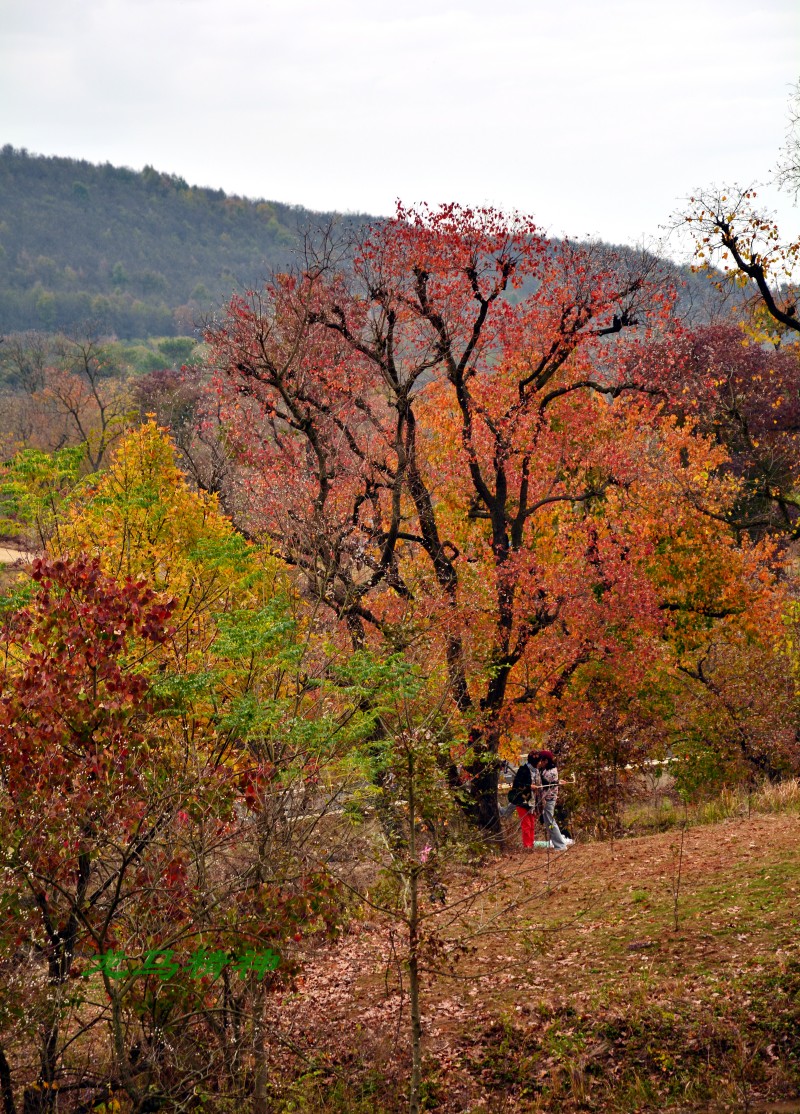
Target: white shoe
{"points": [[569, 842]]}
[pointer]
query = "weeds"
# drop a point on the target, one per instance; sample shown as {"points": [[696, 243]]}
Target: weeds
{"points": [[643, 818]]}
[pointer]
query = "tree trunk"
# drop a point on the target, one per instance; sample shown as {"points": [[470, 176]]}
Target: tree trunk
{"points": [[413, 951], [413, 994], [6, 1087], [120, 1051], [481, 806], [484, 794], [259, 1051]]}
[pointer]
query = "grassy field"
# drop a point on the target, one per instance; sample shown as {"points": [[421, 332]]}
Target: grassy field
{"points": [[655, 973]]}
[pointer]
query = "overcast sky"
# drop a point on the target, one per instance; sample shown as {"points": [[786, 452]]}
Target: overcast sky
{"points": [[596, 116]]}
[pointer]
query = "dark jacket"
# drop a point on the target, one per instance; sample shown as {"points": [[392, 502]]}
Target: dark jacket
{"points": [[520, 792]]}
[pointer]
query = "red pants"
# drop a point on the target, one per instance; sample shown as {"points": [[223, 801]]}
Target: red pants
{"points": [[528, 822]]}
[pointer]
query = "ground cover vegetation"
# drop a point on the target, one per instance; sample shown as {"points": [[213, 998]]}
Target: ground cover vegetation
{"points": [[286, 598]]}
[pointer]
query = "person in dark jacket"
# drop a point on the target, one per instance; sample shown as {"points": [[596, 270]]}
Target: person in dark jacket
{"points": [[548, 779], [523, 795]]}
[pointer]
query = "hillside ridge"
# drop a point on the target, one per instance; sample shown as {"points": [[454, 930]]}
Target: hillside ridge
{"points": [[143, 253]]}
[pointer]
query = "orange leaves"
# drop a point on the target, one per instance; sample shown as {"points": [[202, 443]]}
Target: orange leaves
{"points": [[464, 443]]}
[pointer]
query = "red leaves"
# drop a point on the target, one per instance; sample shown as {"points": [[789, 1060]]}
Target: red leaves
{"points": [[73, 693], [252, 784], [465, 434], [175, 874]]}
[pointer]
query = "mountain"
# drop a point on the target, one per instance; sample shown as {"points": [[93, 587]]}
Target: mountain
{"points": [[137, 253], [141, 253]]}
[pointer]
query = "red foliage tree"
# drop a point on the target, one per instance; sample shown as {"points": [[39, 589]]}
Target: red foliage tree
{"points": [[76, 765], [747, 395], [430, 440]]}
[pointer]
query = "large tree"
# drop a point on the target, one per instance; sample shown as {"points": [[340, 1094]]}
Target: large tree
{"points": [[445, 432]]}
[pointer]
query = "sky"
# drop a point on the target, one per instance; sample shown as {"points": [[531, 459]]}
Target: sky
{"points": [[596, 116]]}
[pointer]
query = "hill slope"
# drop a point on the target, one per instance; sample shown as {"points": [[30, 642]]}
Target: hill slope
{"points": [[141, 253], [651, 974]]}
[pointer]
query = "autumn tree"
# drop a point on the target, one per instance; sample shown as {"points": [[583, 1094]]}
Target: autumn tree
{"points": [[730, 228], [74, 763], [62, 391], [746, 371], [744, 388], [88, 396], [745, 395], [430, 437]]}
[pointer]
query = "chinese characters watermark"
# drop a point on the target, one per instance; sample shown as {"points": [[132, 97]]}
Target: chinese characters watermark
{"points": [[201, 964]]}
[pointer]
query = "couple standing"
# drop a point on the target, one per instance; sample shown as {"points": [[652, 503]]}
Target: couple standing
{"points": [[534, 791]]}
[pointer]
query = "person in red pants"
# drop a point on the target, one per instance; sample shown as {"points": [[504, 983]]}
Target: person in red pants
{"points": [[523, 795], [527, 821]]}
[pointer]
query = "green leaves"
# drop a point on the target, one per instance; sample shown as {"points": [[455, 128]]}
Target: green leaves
{"points": [[35, 488]]}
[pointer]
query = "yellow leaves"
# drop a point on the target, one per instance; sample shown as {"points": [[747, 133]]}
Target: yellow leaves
{"points": [[142, 520], [111, 1107], [234, 612]]}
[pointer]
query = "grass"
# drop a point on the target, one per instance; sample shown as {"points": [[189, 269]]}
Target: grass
{"points": [[662, 813], [649, 1054], [583, 996]]}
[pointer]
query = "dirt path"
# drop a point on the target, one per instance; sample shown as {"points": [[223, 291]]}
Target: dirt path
{"points": [[10, 556]]}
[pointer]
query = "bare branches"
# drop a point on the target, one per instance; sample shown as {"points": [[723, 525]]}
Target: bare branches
{"points": [[788, 169], [729, 229]]}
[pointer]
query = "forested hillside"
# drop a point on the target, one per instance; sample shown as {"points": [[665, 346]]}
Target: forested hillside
{"points": [[142, 253], [139, 253]]}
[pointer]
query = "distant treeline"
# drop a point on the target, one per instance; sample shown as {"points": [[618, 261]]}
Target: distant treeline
{"points": [[142, 254], [137, 253]]}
